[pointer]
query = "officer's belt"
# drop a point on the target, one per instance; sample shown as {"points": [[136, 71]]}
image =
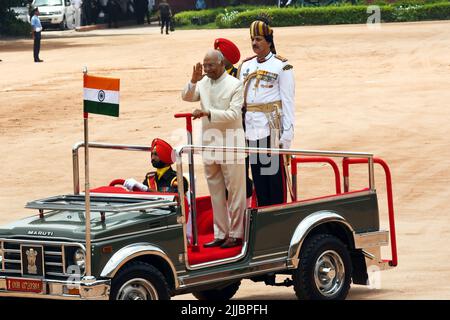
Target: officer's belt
{"points": [[265, 107]]}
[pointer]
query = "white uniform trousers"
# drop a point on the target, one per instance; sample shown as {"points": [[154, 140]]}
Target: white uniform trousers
{"points": [[228, 220], [77, 17]]}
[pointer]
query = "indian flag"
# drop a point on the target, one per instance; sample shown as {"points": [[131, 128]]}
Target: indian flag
{"points": [[101, 95]]}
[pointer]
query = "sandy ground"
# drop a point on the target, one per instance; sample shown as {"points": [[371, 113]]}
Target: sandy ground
{"points": [[383, 91]]}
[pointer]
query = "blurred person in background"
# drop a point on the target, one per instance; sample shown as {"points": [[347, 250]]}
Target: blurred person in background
{"points": [[165, 15], [76, 7], [36, 27]]}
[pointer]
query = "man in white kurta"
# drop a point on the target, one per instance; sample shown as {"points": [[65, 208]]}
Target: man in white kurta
{"points": [[221, 101]]}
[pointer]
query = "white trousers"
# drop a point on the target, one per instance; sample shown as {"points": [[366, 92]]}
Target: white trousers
{"points": [[228, 215], [77, 16]]}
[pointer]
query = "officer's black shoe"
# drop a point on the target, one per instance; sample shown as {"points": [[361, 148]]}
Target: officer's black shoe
{"points": [[38, 60], [215, 243]]}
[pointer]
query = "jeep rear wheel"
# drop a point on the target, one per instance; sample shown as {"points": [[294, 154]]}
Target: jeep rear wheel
{"points": [[225, 293], [324, 270], [139, 281]]}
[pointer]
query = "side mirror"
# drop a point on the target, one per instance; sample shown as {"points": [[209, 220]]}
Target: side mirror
{"points": [[67, 3]]}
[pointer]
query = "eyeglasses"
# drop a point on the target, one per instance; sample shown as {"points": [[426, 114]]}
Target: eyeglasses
{"points": [[209, 65]]}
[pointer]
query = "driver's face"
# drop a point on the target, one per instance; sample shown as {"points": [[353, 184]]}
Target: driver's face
{"points": [[155, 157]]}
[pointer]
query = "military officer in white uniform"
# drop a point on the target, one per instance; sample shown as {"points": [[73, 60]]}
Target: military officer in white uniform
{"points": [[269, 97], [220, 96]]}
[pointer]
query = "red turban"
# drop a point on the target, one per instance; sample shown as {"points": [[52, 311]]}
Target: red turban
{"points": [[163, 149], [228, 49]]}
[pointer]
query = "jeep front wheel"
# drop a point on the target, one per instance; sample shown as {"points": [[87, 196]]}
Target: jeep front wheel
{"points": [[324, 270], [139, 281], [225, 293]]}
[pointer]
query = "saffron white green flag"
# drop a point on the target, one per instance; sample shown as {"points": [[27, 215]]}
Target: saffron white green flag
{"points": [[101, 95]]}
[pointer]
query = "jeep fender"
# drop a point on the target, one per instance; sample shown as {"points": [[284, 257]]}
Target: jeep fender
{"points": [[305, 227], [130, 252]]}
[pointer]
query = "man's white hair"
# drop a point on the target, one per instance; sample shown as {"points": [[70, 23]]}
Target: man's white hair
{"points": [[215, 54]]}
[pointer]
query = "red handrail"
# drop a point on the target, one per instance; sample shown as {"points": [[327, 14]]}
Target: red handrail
{"points": [[188, 117], [337, 176], [192, 193], [345, 165]]}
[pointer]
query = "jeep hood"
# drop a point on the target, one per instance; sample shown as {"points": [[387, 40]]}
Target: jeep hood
{"points": [[71, 224]]}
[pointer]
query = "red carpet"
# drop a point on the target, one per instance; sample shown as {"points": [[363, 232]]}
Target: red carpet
{"points": [[206, 234]]}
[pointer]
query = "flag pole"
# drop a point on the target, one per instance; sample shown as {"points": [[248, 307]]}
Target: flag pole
{"points": [[86, 190]]}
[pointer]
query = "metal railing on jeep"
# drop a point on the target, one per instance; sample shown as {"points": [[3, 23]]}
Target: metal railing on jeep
{"points": [[193, 149]]}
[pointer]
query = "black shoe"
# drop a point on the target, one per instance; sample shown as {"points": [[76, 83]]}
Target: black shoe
{"points": [[38, 60], [215, 243], [231, 242]]}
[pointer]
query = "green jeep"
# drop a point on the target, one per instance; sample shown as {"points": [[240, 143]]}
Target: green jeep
{"points": [[135, 245]]}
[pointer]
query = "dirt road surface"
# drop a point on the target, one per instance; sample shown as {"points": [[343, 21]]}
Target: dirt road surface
{"points": [[382, 90]]}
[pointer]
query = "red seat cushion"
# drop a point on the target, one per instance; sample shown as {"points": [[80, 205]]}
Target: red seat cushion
{"points": [[205, 221], [109, 189]]}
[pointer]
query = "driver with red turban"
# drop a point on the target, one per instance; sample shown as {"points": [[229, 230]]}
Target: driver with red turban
{"points": [[164, 179], [231, 54]]}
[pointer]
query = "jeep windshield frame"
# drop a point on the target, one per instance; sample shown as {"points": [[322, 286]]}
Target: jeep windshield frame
{"points": [[101, 203]]}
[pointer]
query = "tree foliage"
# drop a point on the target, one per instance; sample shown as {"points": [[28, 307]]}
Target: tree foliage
{"points": [[9, 24]]}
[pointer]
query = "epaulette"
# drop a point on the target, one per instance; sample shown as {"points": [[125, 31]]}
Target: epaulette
{"points": [[281, 58], [288, 67], [238, 74], [249, 58]]}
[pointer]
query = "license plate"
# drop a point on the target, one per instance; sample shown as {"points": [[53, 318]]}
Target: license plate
{"points": [[24, 285]]}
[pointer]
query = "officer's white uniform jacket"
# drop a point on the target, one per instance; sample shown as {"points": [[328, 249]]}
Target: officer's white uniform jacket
{"points": [[277, 83], [223, 99]]}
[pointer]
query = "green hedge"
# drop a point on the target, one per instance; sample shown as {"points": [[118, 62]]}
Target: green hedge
{"points": [[281, 17], [201, 17], [398, 2], [196, 17]]}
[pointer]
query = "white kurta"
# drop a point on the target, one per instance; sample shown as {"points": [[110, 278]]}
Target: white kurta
{"points": [[223, 99], [277, 84]]}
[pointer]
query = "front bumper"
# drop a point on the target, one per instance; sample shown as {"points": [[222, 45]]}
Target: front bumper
{"points": [[51, 20], [63, 290]]}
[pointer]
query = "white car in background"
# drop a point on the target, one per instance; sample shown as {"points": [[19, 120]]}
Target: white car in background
{"points": [[55, 13]]}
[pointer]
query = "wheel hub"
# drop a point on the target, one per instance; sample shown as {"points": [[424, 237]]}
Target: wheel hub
{"points": [[329, 273], [137, 289]]}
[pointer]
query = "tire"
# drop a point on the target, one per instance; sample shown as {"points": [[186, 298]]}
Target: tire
{"points": [[139, 281], [324, 270], [62, 26], [223, 294]]}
